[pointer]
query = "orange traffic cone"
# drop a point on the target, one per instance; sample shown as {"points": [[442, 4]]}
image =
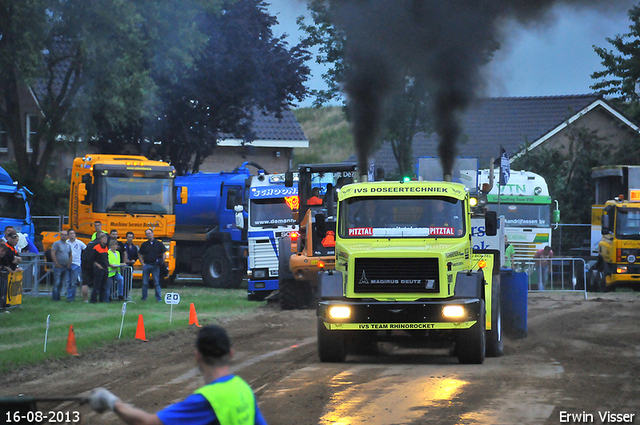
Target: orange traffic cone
{"points": [[71, 342], [193, 317], [140, 329]]}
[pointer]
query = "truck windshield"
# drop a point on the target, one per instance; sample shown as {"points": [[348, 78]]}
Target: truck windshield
{"points": [[381, 217], [522, 215], [12, 207], [133, 195], [628, 223], [270, 212]]}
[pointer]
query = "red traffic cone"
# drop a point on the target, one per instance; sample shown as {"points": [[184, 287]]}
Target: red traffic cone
{"points": [[140, 329], [71, 342], [193, 317]]}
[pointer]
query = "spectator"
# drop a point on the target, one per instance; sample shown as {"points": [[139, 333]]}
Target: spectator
{"points": [[224, 399], [61, 257], [113, 236], [509, 252], [98, 226], [87, 259], [315, 198], [100, 270], [543, 266], [77, 246], [114, 269], [151, 255], [3, 252], [130, 251], [11, 258], [7, 231]]}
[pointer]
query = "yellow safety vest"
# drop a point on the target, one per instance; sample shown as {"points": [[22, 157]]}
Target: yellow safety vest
{"points": [[232, 401]]}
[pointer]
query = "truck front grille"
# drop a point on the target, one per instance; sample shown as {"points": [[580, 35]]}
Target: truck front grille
{"points": [[396, 275]]}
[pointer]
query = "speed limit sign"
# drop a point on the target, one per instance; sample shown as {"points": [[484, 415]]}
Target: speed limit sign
{"points": [[172, 298]]}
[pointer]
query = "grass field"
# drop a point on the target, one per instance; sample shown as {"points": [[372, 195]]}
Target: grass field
{"points": [[23, 328]]}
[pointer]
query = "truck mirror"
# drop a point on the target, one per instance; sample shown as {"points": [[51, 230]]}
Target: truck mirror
{"points": [[183, 195], [84, 190], [556, 216], [239, 217], [288, 179], [491, 223], [605, 225]]}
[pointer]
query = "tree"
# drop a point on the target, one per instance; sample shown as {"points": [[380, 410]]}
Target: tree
{"points": [[89, 64], [621, 78]]}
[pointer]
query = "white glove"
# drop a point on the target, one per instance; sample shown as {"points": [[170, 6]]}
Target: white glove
{"points": [[101, 399]]}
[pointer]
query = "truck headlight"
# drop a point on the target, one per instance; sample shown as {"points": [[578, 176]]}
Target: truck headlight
{"points": [[260, 273], [339, 312], [453, 311], [621, 269]]}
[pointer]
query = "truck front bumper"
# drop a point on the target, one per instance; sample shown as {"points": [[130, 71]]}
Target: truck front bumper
{"points": [[400, 316]]}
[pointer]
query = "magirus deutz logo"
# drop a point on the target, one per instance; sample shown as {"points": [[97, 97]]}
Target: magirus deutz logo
{"points": [[428, 283]]}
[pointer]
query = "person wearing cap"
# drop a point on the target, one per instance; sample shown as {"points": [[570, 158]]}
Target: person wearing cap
{"points": [[225, 399], [11, 258]]}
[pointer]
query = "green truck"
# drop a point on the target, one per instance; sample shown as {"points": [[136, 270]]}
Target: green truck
{"points": [[406, 270]]}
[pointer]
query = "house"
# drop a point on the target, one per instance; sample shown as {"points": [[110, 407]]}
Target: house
{"points": [[513, 122], [272, 146]]}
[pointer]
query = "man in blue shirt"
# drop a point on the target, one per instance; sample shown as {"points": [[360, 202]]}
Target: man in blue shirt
{"points": [[225, 400]]}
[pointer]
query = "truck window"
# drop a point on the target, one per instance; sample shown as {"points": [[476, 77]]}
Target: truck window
{"points": [[523, 215], [133, 195], [12, 206], [270, 212], [401, 217], [628, 223]]}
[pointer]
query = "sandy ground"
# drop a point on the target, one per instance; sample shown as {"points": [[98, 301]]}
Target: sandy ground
{"points": [[579, 358]]}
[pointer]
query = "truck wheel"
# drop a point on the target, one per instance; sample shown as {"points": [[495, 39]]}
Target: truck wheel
{"points": [[494, 336], [216, 268], [332, 346], [290, 294], [471, 343]]}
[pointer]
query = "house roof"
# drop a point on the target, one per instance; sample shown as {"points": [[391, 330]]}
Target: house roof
{"points": [[508, 122], [271, 131]]}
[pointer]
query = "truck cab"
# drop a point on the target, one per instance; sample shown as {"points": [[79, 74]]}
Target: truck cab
{"points": [[14, 206], [270, 219], [406, 269], [615, 228]]}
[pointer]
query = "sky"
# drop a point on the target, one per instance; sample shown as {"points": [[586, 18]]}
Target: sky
{"points": [[556, 58]]}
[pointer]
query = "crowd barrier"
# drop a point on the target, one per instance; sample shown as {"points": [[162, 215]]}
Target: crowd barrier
{"points": [[554, 274], [127, 275]]}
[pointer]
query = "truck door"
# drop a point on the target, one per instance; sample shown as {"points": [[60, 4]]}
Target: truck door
{"points": [[232, 196]]}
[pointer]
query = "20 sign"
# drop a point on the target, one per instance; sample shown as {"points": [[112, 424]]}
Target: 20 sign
{"points": [[172, 298]]}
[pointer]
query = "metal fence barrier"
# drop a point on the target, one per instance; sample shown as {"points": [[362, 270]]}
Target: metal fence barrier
{"points": [[554, 274], [127, 275]]}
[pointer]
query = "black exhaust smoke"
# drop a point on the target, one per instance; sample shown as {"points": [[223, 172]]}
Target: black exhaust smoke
{"points": [[442, 44]]}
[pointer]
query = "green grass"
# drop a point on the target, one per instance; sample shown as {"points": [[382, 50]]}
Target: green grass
{"points": [[22, 329]]}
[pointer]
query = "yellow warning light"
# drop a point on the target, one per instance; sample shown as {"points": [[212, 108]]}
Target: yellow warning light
{"points": [[482, 264]]}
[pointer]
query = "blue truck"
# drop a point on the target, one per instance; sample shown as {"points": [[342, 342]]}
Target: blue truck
{"points": [[14, 206], [233, 220]]}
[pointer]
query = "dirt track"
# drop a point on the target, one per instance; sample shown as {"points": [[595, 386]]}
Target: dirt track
{"points": [[580, 357]]}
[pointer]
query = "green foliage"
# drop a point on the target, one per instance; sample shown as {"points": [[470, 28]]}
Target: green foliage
{"points": [[567, 170], [22, 330], [330, 139], [50, 197], [622, 67]]}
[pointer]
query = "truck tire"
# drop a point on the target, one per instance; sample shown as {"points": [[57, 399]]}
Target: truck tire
{"points": [[291, 297], [216, 268], [471, 343], [494, 336], [332, 346]]}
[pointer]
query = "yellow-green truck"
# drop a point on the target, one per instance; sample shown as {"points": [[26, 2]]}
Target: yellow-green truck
{"points": [[406, 270]]}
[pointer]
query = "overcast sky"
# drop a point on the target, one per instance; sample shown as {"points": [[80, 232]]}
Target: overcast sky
{"points": [[552, 59]]}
